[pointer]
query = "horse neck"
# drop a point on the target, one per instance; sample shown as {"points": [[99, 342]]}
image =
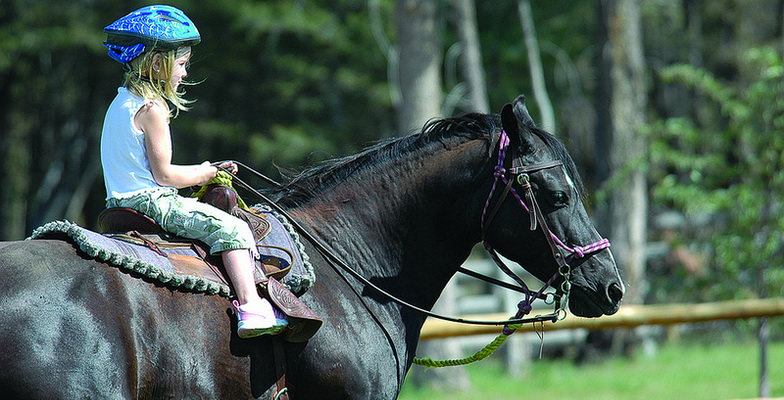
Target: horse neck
{"points": [[410, 223]]}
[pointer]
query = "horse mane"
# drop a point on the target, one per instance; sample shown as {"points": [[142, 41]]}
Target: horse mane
{"points": [[442, 133]]}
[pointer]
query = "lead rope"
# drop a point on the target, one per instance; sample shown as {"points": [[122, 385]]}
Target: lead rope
{"points": [[524, 307], [480, 355]]}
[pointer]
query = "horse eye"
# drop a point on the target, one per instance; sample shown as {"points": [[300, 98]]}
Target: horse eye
{"points": [[559, 199]]}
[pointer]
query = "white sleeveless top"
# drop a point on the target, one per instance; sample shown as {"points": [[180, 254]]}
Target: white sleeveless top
{"points": [[126, 169]]}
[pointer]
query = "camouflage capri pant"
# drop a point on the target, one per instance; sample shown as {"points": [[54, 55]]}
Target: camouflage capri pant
{"points": [[190, 218]]}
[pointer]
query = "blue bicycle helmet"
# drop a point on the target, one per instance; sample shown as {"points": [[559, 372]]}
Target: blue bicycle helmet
{"points": [[152, 27]]}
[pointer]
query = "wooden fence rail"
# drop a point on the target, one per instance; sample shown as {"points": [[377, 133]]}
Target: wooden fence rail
{"points": [[627, 317]]}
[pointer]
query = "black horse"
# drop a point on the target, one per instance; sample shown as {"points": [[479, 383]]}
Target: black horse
{"points": [[404, 214]]}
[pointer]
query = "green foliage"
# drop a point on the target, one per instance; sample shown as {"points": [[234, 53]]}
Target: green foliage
{"points": [[280, 83], [279, 68], [565, 31], [725, 175]]}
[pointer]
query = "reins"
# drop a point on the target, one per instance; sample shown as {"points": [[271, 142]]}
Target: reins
{"points": [[331, 256], [518, 173]]}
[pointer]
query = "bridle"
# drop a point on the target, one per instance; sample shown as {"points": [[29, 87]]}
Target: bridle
{"points": [[519, 173]]}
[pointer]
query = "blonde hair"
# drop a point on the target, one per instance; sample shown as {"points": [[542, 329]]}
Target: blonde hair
{"points": [[143, 80]]}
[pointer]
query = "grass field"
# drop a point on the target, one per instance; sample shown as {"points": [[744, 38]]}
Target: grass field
{"points": [[689, 372]]}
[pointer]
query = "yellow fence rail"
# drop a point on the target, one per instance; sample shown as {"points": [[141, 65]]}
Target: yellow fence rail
{"points": [[627, 317]]}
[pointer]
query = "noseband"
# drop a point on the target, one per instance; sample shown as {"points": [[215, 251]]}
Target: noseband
{"points": [[519, 174]]}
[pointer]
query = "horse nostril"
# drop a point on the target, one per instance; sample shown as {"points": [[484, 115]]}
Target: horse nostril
{"points": [[615, 292]]}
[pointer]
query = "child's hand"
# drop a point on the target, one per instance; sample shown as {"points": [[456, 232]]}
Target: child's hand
{"points": [[229, 166], [206, 172]]}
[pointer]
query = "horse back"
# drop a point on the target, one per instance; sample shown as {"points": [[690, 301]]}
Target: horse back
{"points": [[71, 327]]}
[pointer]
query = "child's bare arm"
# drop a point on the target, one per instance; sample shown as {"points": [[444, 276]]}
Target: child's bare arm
{"points": [[152, 119]]}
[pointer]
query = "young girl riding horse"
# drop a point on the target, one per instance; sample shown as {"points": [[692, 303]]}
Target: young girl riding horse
{"points": [[154, 45]]}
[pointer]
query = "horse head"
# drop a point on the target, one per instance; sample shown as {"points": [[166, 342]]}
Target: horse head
{"points": [[546, 202]]}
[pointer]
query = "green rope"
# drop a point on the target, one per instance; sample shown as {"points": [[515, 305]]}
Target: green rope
{"points": [[478, 356], [222, 178]]}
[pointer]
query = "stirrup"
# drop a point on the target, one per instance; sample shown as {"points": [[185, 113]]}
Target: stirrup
{"points": [[303, 322]]}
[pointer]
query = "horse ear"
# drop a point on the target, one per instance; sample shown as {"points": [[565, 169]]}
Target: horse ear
{"points": [[516, 121], [521, 112], [508, 120]]}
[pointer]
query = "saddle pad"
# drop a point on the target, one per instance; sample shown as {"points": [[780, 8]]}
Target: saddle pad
{"points": [[146, 262]]}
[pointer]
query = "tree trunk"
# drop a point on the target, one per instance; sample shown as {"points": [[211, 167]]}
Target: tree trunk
{"points": [[419, 63], [421, 94], [755, 26], [15, 151], [622, 61], [471, 61], [388, 49], [780, 28], [693, 17], [763, 336], [621, 148], [535, 64]]}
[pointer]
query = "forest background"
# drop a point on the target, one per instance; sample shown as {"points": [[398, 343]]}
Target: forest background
{"points": [[673, 109]]}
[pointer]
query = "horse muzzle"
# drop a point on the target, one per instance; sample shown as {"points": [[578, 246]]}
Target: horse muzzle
{"points": [[601, 296]]}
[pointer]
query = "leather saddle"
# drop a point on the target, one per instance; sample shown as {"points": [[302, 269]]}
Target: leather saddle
{"points": [[131, 224], [303, 322]]}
